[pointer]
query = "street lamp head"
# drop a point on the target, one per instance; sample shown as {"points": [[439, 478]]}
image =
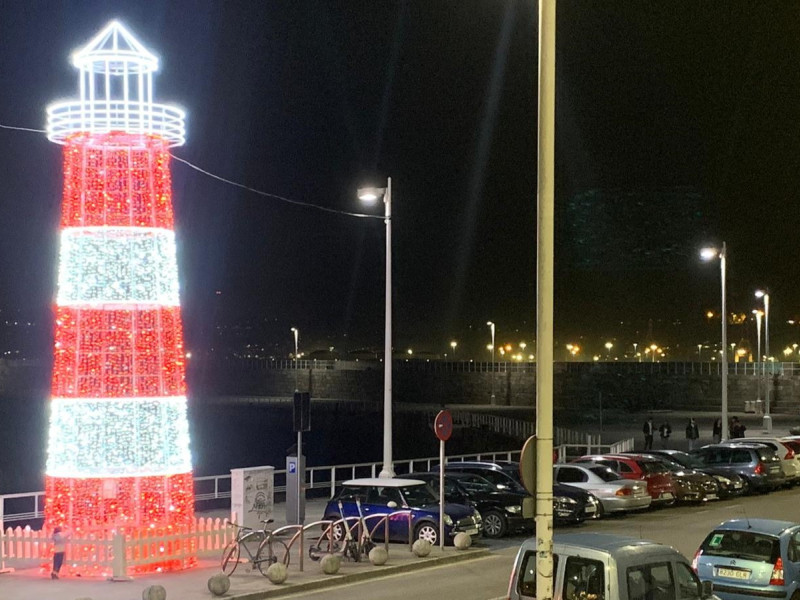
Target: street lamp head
{"points": [[490, 324], [453, 344], [709, 253], [293, 329], [761, 293], [370, 194]]}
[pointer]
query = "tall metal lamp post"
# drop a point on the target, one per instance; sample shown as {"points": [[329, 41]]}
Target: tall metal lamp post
{"points": [[758, 315], [371, 194], [709, 254], [491, 328], [767, 418]]}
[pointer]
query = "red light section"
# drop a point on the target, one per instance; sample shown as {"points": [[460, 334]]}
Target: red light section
{"points": [[116, 179], [135, 506], [118, 353]]}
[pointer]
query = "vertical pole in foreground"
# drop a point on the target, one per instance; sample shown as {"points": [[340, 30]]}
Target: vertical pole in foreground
{"points": [[544, 300], [388, 467], [724, 365], [441, 495]]}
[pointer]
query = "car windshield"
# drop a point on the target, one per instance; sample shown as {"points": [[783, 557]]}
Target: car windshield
{"points": [[687, 460], [651, 466], [476, 483], [605, 473], [668, 465], [744, 545], [419, 495]]}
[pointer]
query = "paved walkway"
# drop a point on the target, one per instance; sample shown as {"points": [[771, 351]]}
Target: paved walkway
{"points": [[34, 583]]}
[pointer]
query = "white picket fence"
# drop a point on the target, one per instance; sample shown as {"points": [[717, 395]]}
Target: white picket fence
{"points": [[110, 554]]}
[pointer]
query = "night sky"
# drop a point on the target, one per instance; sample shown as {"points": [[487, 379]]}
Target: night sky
{"points": [[309, 100]]}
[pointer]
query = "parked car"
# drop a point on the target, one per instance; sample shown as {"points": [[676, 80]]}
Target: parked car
{"points": [[570, 504], [690, 485], [384, 495], [790, 463], [615, 493], [631, 466], [758, 465], [595, 566], [730, 484], [501, 511], [756, 558]]}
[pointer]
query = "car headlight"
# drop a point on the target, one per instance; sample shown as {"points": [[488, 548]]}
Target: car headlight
{"points": [[723, 480], [447, 520], [564, 500], [514, 509]]}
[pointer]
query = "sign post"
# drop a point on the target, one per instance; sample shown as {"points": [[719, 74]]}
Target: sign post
{"points": [[443, 428]]}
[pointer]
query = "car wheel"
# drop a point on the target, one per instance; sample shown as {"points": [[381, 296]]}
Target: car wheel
{"points": [[600, 512], [429, 532], [495, 524], [747, 488]]}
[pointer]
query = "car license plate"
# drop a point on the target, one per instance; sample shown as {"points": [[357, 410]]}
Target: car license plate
{"points": [[733, 573], [471, 532], [590, 508], [667, 495], [711, 496]]}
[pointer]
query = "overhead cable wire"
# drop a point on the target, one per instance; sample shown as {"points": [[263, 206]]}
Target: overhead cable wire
{"points": [[236, 184]]}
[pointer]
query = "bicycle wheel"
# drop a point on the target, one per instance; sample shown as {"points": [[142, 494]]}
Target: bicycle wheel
{"points": [[230, 557], [269, 552]]}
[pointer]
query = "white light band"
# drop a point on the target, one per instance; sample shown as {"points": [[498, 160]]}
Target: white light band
{"points": [[114, 437], [117, 265]]}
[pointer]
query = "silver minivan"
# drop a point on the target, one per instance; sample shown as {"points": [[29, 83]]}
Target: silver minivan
{"points": [[597, 566]]}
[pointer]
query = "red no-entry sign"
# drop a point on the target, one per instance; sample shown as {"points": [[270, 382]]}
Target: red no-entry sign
{"points": [[443, 425]]}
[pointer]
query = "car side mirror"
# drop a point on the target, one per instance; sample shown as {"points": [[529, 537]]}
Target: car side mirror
{"points": [[707, 589], [391, 504]]}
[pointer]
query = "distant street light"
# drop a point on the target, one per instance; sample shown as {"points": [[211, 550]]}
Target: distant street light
{"points": [[371, 194], [767, 384], [296, 345], [453, 345], [708, 254], [699, 350], [491, 328], [609, 346], [653, 348], [635, 354]]}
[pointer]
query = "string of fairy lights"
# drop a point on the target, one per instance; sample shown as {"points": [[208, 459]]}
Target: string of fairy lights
{"points": [[236, 184]]}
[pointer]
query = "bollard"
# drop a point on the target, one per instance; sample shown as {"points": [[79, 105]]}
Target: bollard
{"points": [[462, 541], [330, 564], [277, 573], [154, 592], [378, 556], [219, 584], [422, 548]]}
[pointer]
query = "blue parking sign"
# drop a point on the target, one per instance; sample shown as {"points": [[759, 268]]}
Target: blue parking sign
{"points": [[292, 467]]}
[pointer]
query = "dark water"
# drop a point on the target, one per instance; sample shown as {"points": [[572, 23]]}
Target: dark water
{"points": [[241, 435]]}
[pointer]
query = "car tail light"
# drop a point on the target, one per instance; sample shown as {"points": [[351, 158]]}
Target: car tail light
{"points": [[759, 470], [626, 491], [694, 560], [789, 454], [777, 573]]}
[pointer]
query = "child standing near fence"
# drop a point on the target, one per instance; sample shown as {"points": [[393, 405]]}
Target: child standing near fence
{"points": [[59, 549]]}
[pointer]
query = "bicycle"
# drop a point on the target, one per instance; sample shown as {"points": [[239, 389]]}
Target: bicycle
{"points": [[266, 553]]}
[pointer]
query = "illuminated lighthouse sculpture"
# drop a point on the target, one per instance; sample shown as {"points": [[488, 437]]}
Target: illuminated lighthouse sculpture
{"points": [[118, 453]]}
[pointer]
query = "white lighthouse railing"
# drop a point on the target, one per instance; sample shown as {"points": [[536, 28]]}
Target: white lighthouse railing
{"points": [[65, 119]]}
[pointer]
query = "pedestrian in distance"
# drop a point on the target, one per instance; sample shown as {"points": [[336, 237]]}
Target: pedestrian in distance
{"points": [[716, 431], [737, 428], [648, 429], [664, 431], [692, 433], [60, 538]]}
